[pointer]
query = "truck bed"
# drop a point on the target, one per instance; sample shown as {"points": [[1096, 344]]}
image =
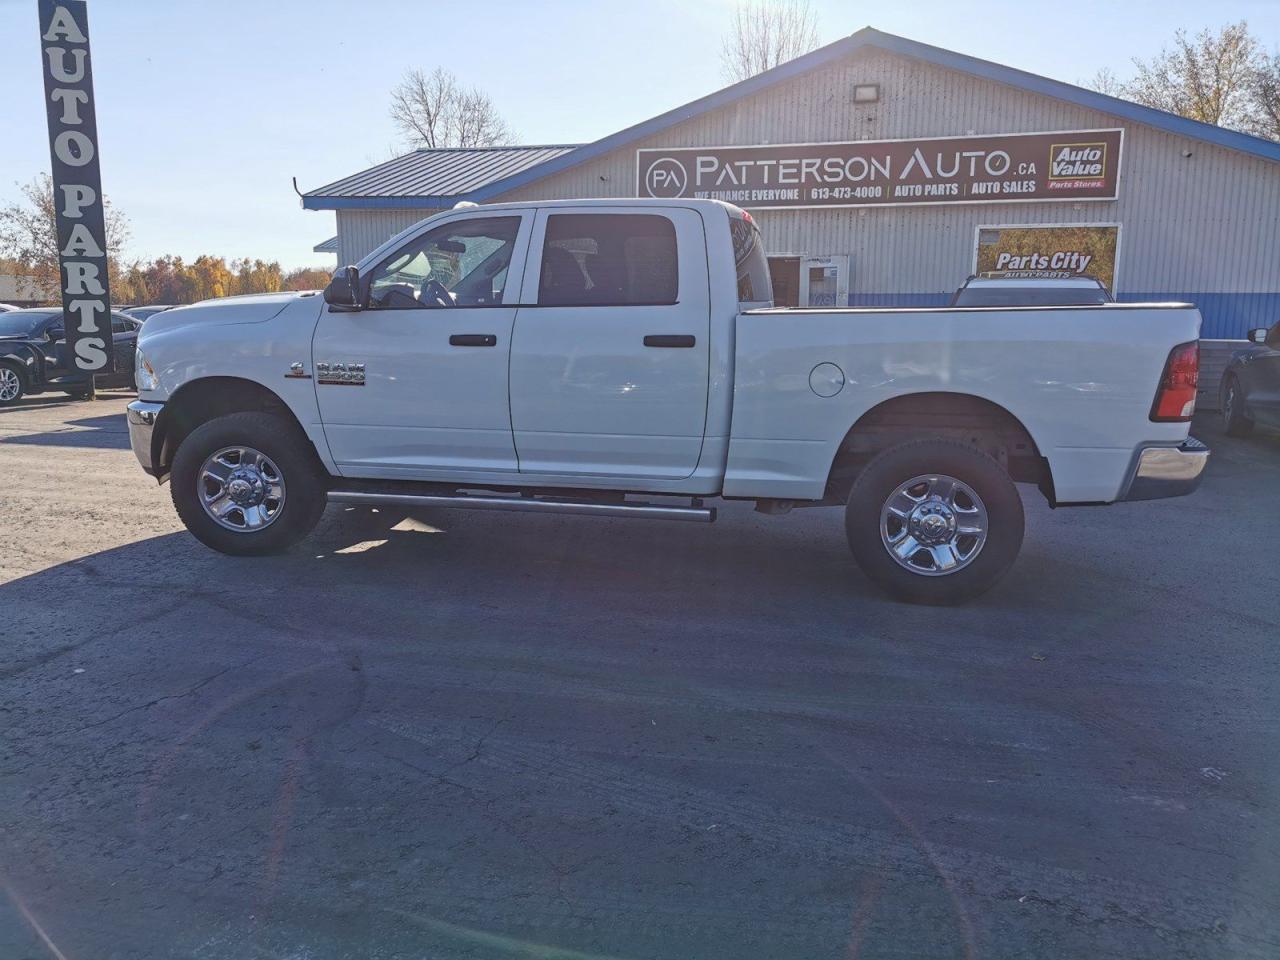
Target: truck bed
{"points": [[1080, 379]]}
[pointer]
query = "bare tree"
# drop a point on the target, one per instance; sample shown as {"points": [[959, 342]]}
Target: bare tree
{"points": [[435, 110], [766, 33], [1209, 77], [1266, 97], [1105, 81], [29, 232]]}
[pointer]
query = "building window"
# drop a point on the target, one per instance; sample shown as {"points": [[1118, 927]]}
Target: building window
{"points": [[608, 260]]}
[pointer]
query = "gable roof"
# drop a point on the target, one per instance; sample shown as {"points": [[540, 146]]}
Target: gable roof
{"points": [[430, 177], [865, 38]]}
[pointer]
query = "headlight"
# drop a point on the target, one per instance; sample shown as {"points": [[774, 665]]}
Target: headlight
{"points": [[144, 377]]}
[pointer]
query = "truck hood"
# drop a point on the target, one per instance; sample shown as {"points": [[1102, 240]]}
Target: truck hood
{"points": [[253, 308]]}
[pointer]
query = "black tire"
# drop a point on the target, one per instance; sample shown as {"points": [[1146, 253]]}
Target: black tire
{"points": [[291, 453], [1234, 422], [21, 377], [82, 394], [898, 465]]}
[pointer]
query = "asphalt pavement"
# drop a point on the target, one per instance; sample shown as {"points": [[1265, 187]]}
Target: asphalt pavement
{"points": [[438, 734]]}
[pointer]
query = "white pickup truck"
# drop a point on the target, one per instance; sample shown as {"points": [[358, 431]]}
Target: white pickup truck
{"points": [[623, 358]]}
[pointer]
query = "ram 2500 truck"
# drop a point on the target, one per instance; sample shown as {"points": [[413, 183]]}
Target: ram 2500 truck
{"points": [[623, 358]]}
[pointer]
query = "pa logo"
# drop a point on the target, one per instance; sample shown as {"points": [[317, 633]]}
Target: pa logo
{"points": [[666, 178]]}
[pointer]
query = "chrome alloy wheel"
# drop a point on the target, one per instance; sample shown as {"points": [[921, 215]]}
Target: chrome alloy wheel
{"points": [[241, 489], [10, 385], [933, 525], [1228, 403]]}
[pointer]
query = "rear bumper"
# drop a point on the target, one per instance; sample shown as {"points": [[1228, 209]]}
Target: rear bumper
{"points": [[1167, 471], [142, 416]]}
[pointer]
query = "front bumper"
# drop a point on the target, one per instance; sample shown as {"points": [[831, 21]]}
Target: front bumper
{"points": [[142, 416], [1167, 471]]}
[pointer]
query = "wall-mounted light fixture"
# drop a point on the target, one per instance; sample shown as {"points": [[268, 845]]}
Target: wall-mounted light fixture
{"points": [[866, 92]]}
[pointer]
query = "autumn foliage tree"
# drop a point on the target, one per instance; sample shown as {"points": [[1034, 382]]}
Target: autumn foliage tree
{"points": [[1224, 78], [29, 232]]}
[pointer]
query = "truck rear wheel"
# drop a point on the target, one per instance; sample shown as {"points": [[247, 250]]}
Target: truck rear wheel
{"points": [[248, 484], [934, 521]]}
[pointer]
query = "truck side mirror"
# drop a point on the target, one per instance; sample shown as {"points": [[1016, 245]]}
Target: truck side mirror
{"points": [[1258, 335], [344, 289]]}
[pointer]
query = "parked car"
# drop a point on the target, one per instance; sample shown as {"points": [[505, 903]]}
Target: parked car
{"points": [[33, 354], [988, 291], [1250, 391], [142, 313], [569, 356]]}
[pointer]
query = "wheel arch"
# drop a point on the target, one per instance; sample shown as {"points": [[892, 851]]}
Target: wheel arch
{"points": [[940, 414], [201, 400], [14, 362]]}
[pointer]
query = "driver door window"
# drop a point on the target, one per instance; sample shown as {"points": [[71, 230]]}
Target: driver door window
{"points": [[458, 264]]}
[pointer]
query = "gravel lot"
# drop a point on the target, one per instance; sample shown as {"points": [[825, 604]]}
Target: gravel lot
{"points": [[446, 734]]}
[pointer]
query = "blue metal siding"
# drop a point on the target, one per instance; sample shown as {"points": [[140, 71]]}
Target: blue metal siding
{"points": [[1227, 316]]}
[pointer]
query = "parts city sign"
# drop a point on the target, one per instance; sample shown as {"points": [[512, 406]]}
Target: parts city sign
{"points": [[77, 186], [1004, 168]]}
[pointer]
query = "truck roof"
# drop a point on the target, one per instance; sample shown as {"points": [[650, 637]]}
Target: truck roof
{"points": [[695, 202]]}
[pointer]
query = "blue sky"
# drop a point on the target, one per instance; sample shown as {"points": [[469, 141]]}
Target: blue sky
{"points": [[207, 109]]}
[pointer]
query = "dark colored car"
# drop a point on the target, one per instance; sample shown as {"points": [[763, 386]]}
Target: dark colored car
{"points": [[33, 354], [1250, 391], [142, 313]]}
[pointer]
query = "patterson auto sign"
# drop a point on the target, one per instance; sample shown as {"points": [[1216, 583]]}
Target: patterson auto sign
{"points": [[1003, 168]]}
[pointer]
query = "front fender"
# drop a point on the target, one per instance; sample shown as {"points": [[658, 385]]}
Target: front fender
{"points": [[261, 352]]}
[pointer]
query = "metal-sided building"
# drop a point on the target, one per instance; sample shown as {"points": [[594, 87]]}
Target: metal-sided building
{"points": [[883, 172]]}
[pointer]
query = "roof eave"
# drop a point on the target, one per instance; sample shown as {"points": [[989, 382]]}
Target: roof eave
{"points": [[310, 202]]}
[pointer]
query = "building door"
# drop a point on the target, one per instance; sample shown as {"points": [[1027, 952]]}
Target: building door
{"points": [[784, 272], [610, 357], [824, 281]]}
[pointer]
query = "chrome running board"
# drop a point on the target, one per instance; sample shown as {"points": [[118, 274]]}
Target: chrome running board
{"points": [[587, 508]]}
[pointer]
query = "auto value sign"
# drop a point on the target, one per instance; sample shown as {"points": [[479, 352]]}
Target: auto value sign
{"points": [[77, 186], [1006, 168]]}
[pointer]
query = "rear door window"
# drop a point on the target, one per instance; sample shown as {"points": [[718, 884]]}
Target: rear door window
{"points": [[608, 260]]}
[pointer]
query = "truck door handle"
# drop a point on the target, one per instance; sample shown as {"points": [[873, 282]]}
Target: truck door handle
{"points": [[669, 340], [473, 340]]}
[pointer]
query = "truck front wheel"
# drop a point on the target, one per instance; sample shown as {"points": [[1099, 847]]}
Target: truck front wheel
{"points": [[248, 484], [934, 521]]}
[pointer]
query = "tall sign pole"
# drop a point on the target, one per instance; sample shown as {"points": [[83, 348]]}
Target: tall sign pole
{"points": [[77, 185]]}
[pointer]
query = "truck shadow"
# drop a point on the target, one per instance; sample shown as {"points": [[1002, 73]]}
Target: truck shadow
{"points": [[108, 432], [366, 575]]}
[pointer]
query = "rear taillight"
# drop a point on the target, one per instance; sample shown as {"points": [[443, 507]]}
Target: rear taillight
{"points": [[1176, 396]]}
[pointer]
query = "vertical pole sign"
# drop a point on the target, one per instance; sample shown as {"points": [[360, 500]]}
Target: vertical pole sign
{"points": [[77, 185]]}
